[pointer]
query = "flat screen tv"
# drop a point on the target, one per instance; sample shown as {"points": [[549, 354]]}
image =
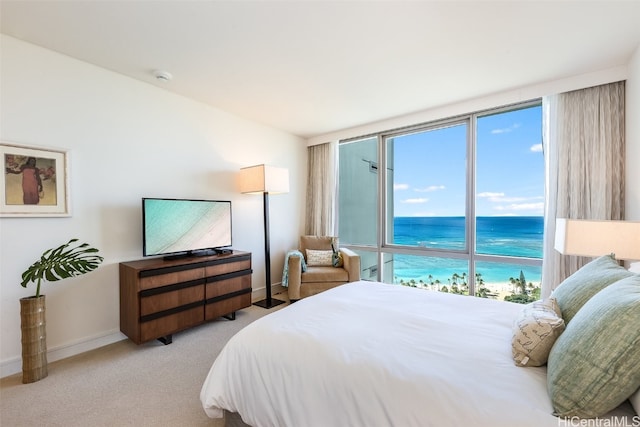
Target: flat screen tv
{"points": [[183, 227]]}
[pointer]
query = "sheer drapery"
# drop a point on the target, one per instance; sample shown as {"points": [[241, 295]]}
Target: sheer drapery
{"points": [[584, 166], [321, 190]]}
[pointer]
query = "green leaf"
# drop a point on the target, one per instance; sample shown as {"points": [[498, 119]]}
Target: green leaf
{"points": [[62, 262]]}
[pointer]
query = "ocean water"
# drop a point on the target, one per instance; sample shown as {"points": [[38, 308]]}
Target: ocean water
{"points": [[510, 236]]}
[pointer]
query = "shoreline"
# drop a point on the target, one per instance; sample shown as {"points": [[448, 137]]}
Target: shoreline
{"points": [[501, 289]]}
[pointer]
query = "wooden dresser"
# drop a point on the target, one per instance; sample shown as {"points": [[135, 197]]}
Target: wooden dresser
{"points": [[160, 297]]}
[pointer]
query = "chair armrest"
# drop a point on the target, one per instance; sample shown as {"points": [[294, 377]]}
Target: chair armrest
{"points": [[351, 263], [295, 270]]}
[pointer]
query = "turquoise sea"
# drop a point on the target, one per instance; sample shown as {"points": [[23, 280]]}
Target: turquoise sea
{"points": [[511, 236]]}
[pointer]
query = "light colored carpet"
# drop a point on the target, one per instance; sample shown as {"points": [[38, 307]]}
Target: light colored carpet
{"points": [[124, 384]]}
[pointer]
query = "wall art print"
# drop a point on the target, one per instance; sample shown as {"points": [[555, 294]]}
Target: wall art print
{"points": [[35, 182]]}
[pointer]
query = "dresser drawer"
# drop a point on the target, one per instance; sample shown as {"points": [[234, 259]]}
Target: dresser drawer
{"points": [[228, 285], [169, 324], [155, 281], [226, 306], [227, 267], [169, 300]]}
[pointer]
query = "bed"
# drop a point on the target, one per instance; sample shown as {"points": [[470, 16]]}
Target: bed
{"points": [[374, 354]]}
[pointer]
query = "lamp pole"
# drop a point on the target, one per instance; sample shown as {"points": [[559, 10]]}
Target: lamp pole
{"points": [[268, 302]]}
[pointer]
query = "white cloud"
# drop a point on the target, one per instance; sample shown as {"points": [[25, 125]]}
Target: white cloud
{"points": [[506, 130], [400, 187], [430, 188], [501, 198], [416, 200], [536, 148], [490, 195], [507, 199], [508, 205], [538, 207]]}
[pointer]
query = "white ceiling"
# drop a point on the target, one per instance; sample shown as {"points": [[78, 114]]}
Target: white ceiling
{"points": [[314, 67]]}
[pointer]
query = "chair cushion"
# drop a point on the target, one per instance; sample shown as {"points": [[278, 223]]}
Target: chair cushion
{"points": [[324, 274], [594, 365]]}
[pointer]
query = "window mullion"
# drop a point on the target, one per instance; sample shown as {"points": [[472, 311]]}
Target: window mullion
{"points": [[382, 202], [471, 202]]}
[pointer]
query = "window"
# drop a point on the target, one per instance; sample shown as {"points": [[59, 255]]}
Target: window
{"points": [[428, 178], [452, 206], [358, 194]]}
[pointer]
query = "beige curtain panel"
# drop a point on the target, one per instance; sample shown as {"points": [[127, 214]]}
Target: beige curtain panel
{"points": [[584, 146], [321, 194]]}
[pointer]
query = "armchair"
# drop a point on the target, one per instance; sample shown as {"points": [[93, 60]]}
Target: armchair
{"points": [[318, 278]]}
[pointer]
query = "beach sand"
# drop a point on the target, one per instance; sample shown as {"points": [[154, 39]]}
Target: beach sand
{"points": [[500, 290]]}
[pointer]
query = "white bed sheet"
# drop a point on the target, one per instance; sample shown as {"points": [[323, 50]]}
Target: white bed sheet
{"points": [[372, 354]]}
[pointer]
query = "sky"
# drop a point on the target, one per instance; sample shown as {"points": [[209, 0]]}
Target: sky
{"points": [[430, 168]]}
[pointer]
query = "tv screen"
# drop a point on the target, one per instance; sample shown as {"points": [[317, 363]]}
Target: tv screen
{"points": [[187, 227]]}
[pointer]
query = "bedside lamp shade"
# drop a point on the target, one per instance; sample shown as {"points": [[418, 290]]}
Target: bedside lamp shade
{"points": [[264, 179], [593, 238]]}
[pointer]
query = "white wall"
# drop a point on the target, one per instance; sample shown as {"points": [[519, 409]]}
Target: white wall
{"points": [[632, 199], [127, 139], [478, 104], [632, 129]]}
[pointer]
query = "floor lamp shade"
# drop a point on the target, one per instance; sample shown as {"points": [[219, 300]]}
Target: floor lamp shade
{"points": [[265, 180], [594, 238]]}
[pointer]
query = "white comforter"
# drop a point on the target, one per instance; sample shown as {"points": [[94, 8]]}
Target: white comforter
{"points": [[371, 354]]}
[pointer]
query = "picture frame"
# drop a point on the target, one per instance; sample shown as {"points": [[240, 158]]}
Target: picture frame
{"points": [[34, 181]]}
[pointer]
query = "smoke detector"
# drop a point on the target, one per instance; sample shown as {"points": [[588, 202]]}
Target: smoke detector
{"points": [[163, 76]]}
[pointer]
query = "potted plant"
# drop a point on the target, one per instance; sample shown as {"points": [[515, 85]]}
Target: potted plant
{"points": [[67, 260]]}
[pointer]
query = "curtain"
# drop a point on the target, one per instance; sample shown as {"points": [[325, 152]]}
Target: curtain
{"points": [[584, 143], [321, 190]]}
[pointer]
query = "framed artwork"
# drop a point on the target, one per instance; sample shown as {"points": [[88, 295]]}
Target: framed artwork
{"points": [[35, 182]]}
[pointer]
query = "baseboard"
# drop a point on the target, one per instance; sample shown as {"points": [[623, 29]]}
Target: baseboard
{"points": [[278, 289], [260, 294], [14, 366]]}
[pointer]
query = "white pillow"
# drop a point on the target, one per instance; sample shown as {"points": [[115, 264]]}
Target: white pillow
{"points": [[535, 331], [319, 258]]}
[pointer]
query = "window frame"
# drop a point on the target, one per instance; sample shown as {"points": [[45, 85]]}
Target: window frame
{"points": [[469, 253]]}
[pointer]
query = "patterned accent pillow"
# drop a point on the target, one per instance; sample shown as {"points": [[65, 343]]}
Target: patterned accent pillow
{"points": [[535, 331], [578, 288], [594, 365], [319, 258]]}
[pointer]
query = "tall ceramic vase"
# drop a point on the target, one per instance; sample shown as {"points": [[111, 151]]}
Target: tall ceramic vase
{"points": [[34, 339]]}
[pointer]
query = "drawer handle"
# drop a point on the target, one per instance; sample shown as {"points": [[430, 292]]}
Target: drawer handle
{"points": [[174, 310]]}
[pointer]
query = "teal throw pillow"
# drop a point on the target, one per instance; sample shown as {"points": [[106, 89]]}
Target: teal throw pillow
{"points": [[578, 288], [594, 365]]}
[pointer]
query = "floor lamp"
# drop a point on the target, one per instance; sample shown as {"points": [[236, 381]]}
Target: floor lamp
{"points": [[265, 180]]}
